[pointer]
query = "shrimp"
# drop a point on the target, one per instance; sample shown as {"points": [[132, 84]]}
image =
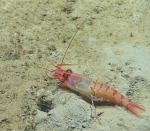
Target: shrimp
{"points": [[87, 87]]}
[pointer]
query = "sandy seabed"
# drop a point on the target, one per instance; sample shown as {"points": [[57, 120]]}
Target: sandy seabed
{"points": [[113, 47]]}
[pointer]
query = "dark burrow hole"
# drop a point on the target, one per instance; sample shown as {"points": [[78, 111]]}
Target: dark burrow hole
{"points": [[44, 105]]}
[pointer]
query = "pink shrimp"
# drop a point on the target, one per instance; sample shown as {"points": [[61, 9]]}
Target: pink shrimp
{"points": [[87, 87]]}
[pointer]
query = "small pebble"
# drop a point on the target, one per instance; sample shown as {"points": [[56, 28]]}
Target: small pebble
{"points": [[100, 113], [85, 120], [73, 125], [84, 125]]}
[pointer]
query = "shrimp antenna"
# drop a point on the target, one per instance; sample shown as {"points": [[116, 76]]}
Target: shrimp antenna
{"points": [[77, 31]]}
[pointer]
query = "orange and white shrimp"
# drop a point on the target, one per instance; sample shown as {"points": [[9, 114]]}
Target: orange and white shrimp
{"points": [[87, 87]]}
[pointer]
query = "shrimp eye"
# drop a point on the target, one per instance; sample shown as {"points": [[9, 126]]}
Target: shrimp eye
{"points": [[65, 76], [70, 71]]}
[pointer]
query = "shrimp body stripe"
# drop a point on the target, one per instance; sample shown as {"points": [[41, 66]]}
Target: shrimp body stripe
{"points": [[100, 90]]}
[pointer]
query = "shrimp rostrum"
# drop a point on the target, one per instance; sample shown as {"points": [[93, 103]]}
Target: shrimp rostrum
{"points": [[85, 86]]}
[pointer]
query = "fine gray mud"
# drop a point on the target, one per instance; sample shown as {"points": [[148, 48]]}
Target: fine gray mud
{"points": [[112, 47]]}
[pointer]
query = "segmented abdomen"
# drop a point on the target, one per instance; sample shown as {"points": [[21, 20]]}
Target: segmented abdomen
{"points": [[106, 92]]}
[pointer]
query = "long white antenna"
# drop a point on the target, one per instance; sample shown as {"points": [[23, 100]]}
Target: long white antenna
{"points": [[77, 31]]}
